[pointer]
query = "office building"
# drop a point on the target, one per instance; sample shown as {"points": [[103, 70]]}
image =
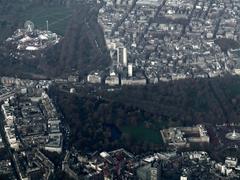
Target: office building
{"points": [[130, 70], [122, 56]]}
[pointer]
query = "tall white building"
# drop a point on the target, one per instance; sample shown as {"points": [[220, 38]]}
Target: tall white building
{"points": [[149, 2], [130, 70], [122, 56], [183, 177]]}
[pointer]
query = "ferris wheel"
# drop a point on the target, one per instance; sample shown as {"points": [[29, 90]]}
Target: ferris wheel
{"points": [[29, 26]]}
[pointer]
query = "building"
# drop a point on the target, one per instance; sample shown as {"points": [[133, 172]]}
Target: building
{"points": [[183, 177], [154, 173], [122, 56], [8, 81], [94, 77], [130, 70], [73, 78], [54, 142], [231, 162], [8, 113], [149, 172], [183, 136], [11, 137], [235, 54], [1, 143], [223, 169], [133, 81], [149, 2], [112, 79]]}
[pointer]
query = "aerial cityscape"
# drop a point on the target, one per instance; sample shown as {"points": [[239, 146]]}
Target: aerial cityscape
{"points": [[120, 90]]}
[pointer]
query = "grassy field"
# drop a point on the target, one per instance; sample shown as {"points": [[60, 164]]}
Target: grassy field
{"points": [[58, 18], [142, 133]]}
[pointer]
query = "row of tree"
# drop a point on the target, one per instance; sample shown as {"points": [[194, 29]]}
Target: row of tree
{"points": [[189, 101]]}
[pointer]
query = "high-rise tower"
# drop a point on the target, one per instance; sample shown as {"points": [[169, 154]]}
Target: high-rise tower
{"points": [[122, 56]]}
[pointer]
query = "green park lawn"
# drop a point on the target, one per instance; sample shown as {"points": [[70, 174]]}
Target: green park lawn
{"points": [[141, 133]]}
